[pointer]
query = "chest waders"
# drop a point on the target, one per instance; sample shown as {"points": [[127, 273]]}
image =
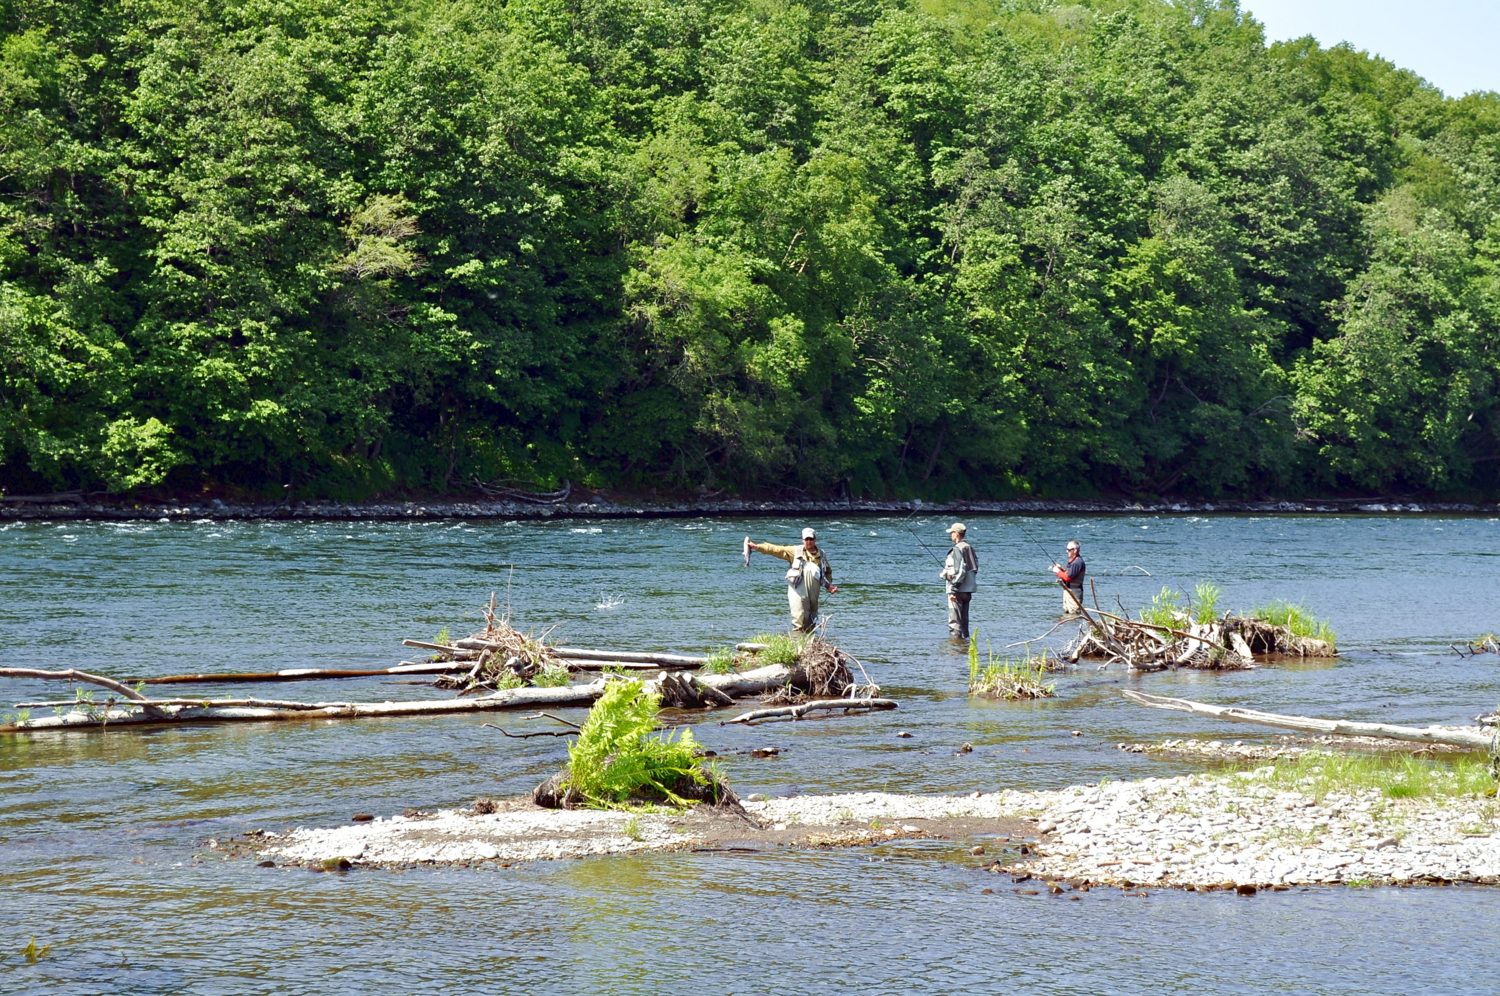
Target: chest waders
{"points": [[803, 581]]}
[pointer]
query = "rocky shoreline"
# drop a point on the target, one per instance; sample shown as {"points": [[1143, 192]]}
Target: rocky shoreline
{"points": [[1195, 832], [602, 507]]}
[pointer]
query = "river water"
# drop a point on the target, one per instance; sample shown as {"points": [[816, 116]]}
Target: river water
{"points": [[101, 835]]}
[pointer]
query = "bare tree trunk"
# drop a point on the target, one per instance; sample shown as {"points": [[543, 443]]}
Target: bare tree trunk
{"points": [[1307, 724]]}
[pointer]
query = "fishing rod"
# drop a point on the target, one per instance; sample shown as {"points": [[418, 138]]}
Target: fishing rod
{"points": [[1051, 560], [1025, 532], [917, 503]]}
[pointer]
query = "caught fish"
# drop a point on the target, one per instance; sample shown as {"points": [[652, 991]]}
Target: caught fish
{"points": [[747, 551]]}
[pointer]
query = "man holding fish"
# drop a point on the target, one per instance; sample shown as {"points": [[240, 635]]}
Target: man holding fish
{"points": [[810, 571]]}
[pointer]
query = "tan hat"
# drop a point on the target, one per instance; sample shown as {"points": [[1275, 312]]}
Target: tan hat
{"points": [[959, 527], [809, 533]]}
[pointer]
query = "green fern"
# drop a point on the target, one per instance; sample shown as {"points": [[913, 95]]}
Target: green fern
{"points": [[617, 754]]}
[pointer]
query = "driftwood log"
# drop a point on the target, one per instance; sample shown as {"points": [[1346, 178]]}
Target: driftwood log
{"points": [[91, 715], [795, 712], [1456, 736], [474, 645], [308, 674]]}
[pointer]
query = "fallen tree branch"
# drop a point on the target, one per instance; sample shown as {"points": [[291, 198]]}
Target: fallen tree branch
{"points": [[72, 675], [1165, 629], [795, 712], [1307, 724], [449, 648], [1055, 626], [539, 733], [548, 715]]}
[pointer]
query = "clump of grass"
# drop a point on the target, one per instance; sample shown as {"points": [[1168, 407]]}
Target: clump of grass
{"points": [[1164, 610], [1009, 678], [720, 661], [1166, 607], [618, 756], [554, 674], [1206, 602], [632, 828], [1393, 776], [781, 648], [442, 636], [34, 953], [1297, 619]]}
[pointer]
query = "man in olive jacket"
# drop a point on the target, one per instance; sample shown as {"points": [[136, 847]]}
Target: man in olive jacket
{"points": [[810, 571]]}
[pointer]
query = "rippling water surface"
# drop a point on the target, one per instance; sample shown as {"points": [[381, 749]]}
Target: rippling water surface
{"points": [[100, 835]]}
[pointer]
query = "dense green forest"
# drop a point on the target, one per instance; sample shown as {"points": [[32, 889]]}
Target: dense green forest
{"points": [[955, 247]]}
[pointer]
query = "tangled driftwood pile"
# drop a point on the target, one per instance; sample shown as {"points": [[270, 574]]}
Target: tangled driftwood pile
{"points": [[503, 656], [1229, 643], [822, 671]]}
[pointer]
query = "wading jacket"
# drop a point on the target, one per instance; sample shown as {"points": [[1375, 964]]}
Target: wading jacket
{"points": [[797, 556], [961, 568]]}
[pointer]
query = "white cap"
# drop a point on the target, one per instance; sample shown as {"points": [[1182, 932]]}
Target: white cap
{"points": [[809, 533], [959, 527]]}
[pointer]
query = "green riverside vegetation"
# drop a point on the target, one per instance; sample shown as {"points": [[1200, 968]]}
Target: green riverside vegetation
{"points": [[953, 247], [1297, 619], [1009, 678], [1166, 609], [1398, 776], [780, 648]]}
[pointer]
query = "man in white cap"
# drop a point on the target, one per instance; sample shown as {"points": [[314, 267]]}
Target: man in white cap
{"points": [[810, 571], [961, 572]]}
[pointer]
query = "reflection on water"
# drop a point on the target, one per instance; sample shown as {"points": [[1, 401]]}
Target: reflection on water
{"points": [[99, 834]]}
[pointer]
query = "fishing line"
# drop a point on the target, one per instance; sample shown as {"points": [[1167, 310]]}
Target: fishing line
{"points": [[1027, 533], [914, 508]]}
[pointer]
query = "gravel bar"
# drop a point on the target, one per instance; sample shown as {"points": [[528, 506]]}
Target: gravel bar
{"points": [[1203, 831], [1193, 832]]}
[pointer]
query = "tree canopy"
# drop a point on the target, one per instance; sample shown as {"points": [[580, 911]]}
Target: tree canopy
{"points": [[950, 247]]}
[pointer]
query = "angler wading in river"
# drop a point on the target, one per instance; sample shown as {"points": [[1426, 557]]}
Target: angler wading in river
{"points": [[810, 571], [1070, 575], [960, 571]]}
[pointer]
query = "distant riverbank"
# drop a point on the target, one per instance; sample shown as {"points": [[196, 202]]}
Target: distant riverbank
{"points": [[601, 507]]}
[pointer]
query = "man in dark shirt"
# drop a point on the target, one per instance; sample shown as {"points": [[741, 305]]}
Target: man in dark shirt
{"points": [[1071, 576]]}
